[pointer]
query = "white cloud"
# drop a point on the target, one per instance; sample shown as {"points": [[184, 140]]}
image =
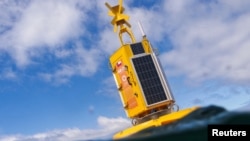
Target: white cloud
{"points": [[210, 40], [10, 13], [33, 30], [41, 24], [108, 126], [83, 62], [113, 124], [109, 41]]}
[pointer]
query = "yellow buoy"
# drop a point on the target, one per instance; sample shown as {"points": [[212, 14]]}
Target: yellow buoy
{"points": [[140, 79]]}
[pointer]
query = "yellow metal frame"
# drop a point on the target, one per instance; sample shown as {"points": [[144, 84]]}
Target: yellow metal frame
{"points": [[120, 19]]}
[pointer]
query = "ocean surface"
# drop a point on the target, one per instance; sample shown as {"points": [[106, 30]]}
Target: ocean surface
{"points": [[196, 126]]}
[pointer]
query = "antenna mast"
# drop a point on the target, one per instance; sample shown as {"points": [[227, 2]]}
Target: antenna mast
{"points": [[141, 29]]}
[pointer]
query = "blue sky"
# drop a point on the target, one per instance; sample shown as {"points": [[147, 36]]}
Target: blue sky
{"points": [[55, 83]]}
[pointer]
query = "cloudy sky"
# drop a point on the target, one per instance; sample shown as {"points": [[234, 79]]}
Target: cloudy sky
{"points": [[55, 83]]}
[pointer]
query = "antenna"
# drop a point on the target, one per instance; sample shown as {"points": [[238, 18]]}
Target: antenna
{"points": [[141, 29]]}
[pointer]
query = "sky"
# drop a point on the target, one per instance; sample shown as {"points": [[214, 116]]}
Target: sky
{"points": [[55, 82]]}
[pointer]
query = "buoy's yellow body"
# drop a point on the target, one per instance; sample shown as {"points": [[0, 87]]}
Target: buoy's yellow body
{"points": [[162, 120]]}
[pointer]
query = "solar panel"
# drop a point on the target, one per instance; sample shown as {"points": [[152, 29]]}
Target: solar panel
{"points": [[149, 78], [137, 48]]}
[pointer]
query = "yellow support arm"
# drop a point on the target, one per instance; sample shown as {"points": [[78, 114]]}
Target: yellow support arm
{"points": [[120, 20]]}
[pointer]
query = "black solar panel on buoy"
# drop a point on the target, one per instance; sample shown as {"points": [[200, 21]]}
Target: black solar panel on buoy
{"points": [[137, 48], [149, 78]]}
